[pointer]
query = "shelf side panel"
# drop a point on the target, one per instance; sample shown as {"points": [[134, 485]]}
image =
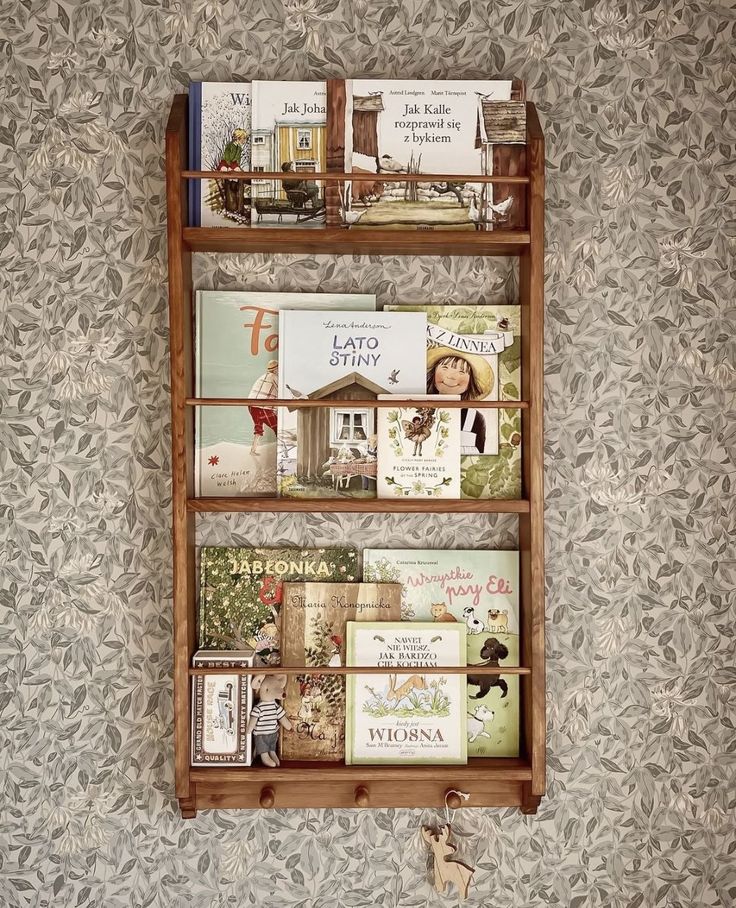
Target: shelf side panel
{"points": [[531, 524], [182, 435]]}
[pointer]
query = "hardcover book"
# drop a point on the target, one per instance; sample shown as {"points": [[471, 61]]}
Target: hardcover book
{"points": [[341, 356], [289, 137], [399, 717], [314, 618], [480, 590], [237, 351], [221, 706], [475, 352], [419, 450], [219, 139], [433, 127], [240, 592]]}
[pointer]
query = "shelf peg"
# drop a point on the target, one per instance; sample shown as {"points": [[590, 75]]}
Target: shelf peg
{"points": [[452, 799], [267, 798], [362, 797]]}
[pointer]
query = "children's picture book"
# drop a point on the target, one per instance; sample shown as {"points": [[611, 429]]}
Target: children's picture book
{"points": [[434, 127], [341, 356], [479, 590], [219, 139], [221, 706], [419, 450], [237, 351], [240, 592], [314, 617], [475, 352], [289, 137], [399, 717]]}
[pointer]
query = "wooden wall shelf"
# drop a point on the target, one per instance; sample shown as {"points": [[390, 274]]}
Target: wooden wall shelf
{"points": [[491, 782]]}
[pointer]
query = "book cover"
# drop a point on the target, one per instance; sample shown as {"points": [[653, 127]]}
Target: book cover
{"points": [[237, 351], [433, 127], [314, 618], [219, 139], [221, 706], [240, 592], [480, 590], [290, 137], [331, 452], [419, 450], [475, 352], [406, 718]]}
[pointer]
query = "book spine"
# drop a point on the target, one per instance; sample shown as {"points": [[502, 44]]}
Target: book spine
{"points": [[194, 188]]}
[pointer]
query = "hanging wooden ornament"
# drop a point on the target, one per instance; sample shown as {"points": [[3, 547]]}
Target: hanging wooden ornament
{"points": [[447, 871]]}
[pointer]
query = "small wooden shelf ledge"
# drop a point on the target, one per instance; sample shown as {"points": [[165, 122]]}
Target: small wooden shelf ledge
{"points": [[501, 768], [359, 505], [343, 241], [362, 670], [305, 402]]}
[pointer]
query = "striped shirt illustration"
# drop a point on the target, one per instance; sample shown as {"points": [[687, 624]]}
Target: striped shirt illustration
{"points": [[267, 717]]}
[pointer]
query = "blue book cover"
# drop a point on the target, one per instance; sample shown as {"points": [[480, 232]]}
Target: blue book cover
{"points": [[195, 125]]}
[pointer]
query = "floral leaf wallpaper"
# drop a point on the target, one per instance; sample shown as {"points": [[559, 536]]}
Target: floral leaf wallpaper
{"points": [[637, 100]]}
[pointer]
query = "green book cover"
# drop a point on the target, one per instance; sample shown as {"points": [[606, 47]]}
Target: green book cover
{"points": [[475, 352], [479, 589], [241, 591], [237, 353], [413, 717]]}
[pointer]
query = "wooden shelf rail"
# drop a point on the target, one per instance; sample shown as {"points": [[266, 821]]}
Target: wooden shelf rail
{"points": [[333, 177], [362, 670], [306, 403]]}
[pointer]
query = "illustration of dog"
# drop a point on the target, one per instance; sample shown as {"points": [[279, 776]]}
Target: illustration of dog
{"points": [[474, 625], [492, 651], [440, 613], [477, 722], [498, 621]]}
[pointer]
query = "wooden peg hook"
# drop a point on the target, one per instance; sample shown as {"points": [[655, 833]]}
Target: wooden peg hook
{"points": [[362, 797], [452, 799], [267, 798]]}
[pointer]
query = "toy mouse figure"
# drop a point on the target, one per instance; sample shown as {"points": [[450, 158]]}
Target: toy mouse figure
{"points": [[266, 717]]}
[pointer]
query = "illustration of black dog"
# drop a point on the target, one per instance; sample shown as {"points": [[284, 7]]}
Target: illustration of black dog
{"points": [[493, 650]]}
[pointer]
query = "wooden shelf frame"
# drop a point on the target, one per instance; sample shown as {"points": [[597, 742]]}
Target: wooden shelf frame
{"points": [[491, 782]]}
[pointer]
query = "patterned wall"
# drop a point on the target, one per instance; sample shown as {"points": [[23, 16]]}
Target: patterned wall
{"points": [[637, 100]]}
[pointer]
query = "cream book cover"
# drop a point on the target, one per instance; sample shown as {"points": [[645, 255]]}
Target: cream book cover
{"points": [[419, 450], [414, 717], [314, 617]]}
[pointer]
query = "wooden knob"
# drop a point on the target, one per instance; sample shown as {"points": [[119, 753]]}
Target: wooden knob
{"points": [[267, 798], [453, 800], [362, 798]]}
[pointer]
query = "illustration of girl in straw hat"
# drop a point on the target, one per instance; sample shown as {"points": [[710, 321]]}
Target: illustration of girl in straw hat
{"points": [[469, 377]]}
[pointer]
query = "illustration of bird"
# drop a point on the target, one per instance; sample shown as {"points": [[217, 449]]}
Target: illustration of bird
{"points": [[393, 378], [419, 428], [390, 165], [503, 207]]}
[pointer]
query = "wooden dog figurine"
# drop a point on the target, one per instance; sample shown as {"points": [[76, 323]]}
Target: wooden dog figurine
{"points": [[445, 870]]}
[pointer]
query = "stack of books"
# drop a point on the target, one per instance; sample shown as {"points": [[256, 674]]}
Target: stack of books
{"points": [[320, 346], [411, 608], [380, 128]]}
